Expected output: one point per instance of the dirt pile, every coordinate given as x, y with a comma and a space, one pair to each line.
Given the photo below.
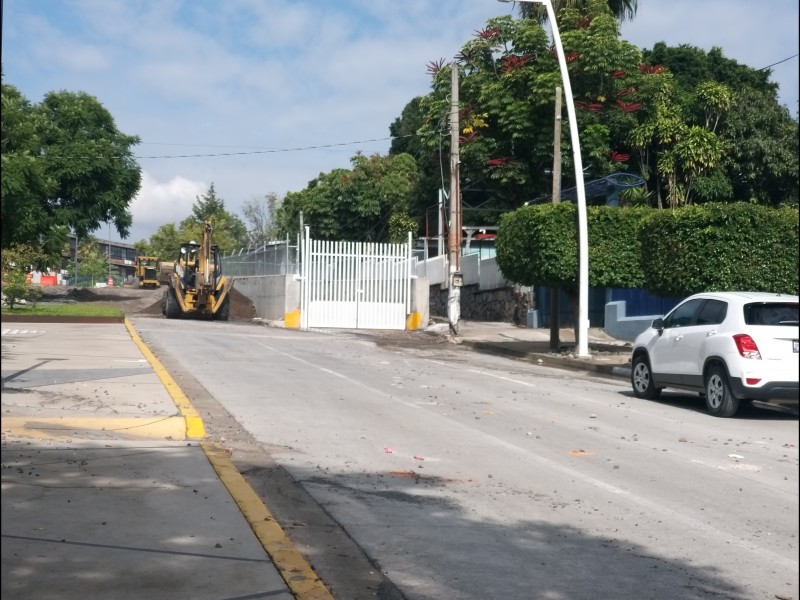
241, 306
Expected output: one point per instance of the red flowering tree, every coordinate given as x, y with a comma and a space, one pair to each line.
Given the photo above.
508, 74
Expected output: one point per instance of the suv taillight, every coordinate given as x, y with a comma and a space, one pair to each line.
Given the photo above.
746, 346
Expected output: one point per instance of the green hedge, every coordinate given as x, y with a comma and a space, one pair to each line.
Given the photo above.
679, 252
538, 245
720, 247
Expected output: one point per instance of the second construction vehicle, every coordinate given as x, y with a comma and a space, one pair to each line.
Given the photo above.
148, 271
196, 286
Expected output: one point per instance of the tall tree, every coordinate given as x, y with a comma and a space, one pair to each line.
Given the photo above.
229, 230
25, 183
369, 202
208, 206
509, 73
165, 243
66, 167
90, 161
260, 214
687, 135
621, 9
759, 136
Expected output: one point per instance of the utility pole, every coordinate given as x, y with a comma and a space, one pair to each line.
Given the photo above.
454, 229
440, 224
108, 258
555, 341
75, 282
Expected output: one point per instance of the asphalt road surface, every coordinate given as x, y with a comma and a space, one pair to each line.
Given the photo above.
466, 476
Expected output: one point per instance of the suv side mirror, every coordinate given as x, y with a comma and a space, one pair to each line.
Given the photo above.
658, 324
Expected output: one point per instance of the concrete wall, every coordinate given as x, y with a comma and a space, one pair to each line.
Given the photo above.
275, 297
621, 327
420, 304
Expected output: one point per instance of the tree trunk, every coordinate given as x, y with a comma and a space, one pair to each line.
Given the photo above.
555, 338
573, 302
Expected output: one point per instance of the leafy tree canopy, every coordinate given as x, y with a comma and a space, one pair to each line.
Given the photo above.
356, 204
621, 9
66, 167
696, 126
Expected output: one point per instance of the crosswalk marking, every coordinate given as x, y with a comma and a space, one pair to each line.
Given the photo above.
20, 331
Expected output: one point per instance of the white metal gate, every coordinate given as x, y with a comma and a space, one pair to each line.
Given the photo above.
355, 285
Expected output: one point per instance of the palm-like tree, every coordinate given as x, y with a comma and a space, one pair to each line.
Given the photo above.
622, 9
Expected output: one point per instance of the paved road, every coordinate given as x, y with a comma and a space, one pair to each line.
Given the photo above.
466, 476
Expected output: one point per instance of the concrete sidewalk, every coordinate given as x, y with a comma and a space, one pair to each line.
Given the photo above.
607, 356
108, 490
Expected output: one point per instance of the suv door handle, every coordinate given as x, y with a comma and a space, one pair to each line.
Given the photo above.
710, 333
678, 337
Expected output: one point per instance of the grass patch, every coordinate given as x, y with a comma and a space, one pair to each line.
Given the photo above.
63, 310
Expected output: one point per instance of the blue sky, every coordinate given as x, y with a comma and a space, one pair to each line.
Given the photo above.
271, 93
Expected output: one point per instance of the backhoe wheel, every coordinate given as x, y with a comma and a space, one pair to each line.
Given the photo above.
172, 309
224, 311
642, 379
720, 401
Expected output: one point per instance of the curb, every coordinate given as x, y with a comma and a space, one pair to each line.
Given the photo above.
299, 576
194, 428
54, 428
58, 319
548, 360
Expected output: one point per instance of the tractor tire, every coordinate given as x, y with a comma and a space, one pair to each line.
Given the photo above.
172, 309
223, 312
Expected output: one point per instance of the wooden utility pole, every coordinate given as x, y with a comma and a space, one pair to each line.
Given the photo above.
555, 340
454, 228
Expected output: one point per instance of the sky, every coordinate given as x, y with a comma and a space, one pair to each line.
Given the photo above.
261, 96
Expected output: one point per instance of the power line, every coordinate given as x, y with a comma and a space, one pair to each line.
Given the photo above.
272, 151
779, 62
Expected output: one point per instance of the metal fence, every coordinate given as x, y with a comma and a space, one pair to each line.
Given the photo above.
271, 258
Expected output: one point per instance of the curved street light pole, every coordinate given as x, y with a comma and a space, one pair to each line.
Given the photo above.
583, 231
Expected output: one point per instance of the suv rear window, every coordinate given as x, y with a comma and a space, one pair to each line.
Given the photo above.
771, 313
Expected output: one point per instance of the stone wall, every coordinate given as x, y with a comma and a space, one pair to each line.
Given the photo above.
503, 305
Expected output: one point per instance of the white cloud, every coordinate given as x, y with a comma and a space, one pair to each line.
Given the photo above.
159, 203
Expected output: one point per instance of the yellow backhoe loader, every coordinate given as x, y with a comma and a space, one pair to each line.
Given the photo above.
196, 286
148, 271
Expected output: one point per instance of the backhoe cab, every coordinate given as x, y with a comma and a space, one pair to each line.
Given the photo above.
196, 286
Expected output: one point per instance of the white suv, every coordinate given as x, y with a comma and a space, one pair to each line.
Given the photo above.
728, 346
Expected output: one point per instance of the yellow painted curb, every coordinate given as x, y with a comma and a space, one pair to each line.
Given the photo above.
194, 424
57, 427
291, 320
413, 321
296, 572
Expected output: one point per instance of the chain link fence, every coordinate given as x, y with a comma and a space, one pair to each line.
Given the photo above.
271, 258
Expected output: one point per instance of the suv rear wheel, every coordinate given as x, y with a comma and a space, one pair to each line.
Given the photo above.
720, 401
642, 379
